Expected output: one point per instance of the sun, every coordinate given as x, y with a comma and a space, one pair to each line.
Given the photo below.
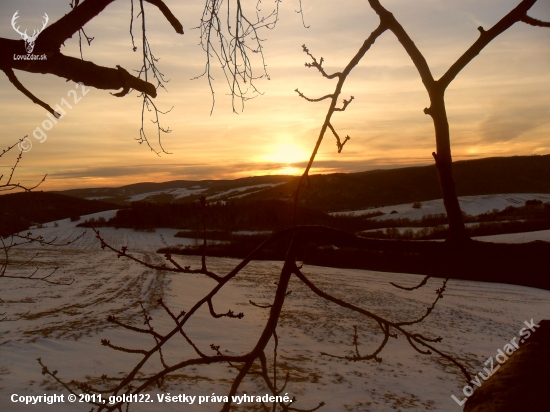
283, 158
287, 153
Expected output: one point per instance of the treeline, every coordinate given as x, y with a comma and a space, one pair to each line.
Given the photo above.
19, 211
533, 216
481, 229
43, 207
533, 209
223, 218
319, 251
489, 262
10, 224
235, 246
259, 215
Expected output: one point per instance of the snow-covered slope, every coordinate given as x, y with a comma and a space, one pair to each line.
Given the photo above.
66, 223
176, 193
472, 205
66, 231
242, 191
181, 190
543, 235
181, 193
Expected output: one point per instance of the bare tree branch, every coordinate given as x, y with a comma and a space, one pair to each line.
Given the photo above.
53, 37
63, 29
534, 22
389, 21
168, 14
15, 81
485, 37
367, 44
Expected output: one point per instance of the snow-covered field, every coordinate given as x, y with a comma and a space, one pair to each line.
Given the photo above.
63, 325
472, 205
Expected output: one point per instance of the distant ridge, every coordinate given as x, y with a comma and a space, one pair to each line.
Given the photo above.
349, 191
495, 175
173, 191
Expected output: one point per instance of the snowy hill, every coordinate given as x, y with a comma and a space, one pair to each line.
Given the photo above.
472, 205
181, 190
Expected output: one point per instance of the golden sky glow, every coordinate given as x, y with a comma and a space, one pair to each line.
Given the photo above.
285, 152
498, 106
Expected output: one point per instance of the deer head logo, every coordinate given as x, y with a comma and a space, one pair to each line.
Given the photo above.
29, 40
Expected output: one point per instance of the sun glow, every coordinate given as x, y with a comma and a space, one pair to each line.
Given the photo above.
287, 153
288, 171
285, 157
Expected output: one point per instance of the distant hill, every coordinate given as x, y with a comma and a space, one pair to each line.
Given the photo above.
20, 210
180, 191
349, 191
496, 175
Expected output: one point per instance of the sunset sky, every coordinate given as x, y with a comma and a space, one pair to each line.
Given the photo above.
498, 106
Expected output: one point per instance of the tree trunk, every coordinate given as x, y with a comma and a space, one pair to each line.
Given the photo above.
444, 164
